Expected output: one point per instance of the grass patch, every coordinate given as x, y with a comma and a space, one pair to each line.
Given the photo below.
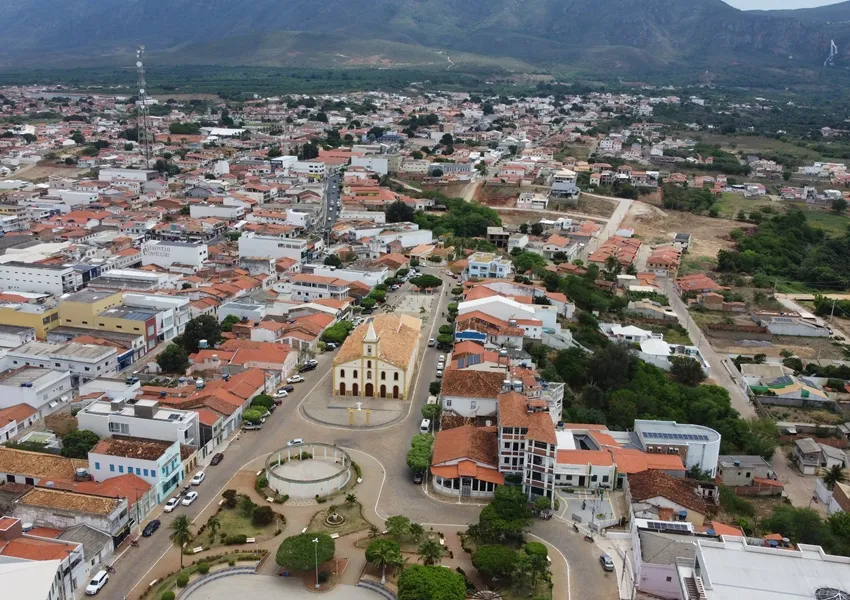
730, 203
406, 544
354, 520
232, 523
834, 224
674, 334
169, 582
696, 264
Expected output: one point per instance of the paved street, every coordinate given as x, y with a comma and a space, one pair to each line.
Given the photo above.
387, 490
719, 372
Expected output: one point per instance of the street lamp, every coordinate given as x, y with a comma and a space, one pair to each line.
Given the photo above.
316, 542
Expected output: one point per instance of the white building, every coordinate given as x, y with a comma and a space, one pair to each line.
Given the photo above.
164, 254
564, 183
371, 276
83, 361
131, 174
37, 278
310, 168
314, 287
218, 211
251, 244
697, 445
483, 265
377, 216
157, 462
172, 315
376, 164
144, 419
43, 389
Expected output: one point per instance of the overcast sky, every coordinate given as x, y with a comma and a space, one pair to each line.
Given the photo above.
776, 4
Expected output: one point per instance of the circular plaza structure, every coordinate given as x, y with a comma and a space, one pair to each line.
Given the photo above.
308, 470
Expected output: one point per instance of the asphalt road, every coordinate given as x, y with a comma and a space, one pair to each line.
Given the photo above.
388, 446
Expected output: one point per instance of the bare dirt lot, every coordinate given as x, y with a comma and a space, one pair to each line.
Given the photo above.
656, 226
40, 173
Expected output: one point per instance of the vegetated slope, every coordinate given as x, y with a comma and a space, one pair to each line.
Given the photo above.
831, 13
696, 33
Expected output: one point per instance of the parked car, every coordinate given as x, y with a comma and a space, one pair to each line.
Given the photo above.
331, 346
425, 426
313, 362
441, 365
199, 477
217, 458
439, 374
432, 342
295, 442
294, 379
150, 528
288, 389
280, 394
171, 504
606, 562
97, 582
189, 498
417, 477
252, 426
441, 358
307, 367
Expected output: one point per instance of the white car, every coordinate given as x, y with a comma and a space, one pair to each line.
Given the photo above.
171, 504
441, 365
295, 442
439, 374
441, 358
189, 498
280, 394
97, 582
198, 478
294, 379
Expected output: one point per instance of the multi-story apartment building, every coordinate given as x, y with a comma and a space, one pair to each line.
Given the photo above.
144, 419
157, 462
84, 361
488, 265
314, 287
46, 390
172, 315
251, 244
165, 254
41, 317
38, 278
104, 310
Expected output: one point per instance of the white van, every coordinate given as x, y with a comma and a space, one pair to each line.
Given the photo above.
425, 426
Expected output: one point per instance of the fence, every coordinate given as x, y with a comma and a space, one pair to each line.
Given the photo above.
387, 593
187, 591
738, 328
835, 443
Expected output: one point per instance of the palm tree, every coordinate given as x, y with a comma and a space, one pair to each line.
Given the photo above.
430, 552
181, 534
213, 525
385, 557
416, 531
834, 474
373, 532
350, 498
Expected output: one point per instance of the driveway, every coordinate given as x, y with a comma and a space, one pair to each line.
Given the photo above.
799, 488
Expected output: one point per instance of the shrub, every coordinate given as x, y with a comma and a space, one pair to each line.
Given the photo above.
231, 563
357, 469
261, 483
167, 596
281, 499
203, 568
321, 499
230, 498
324, 576
182, 580
262, 515
232, 540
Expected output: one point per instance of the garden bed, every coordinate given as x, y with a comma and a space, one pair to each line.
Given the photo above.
233, 523
169, 583
352, 514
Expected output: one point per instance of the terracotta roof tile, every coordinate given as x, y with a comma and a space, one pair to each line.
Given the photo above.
652, 484
472, 384
513, 412
39, 465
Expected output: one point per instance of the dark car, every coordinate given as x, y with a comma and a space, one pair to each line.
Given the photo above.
331, 346
150, 528
417, 477
217, 458
606, 562
307, 367
288, 388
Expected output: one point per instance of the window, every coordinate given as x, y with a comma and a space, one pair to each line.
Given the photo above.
29, 481
448, 402
368, 364
120, 468
383, 375
112, 468
604, 479
748, 475
369, 350
473, 404
138, 471
146, 472
368, 374
395, 376
355, 373
153, 472
97, 466
669, 579
10, 478
342, 372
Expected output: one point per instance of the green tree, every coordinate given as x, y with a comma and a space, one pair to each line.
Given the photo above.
536, 229
416, 531
431, 412
507, 516
77, 444
434, 388
205, 327
173, 359
493, 560
213, 525
399, 212
397, 526
252, 415
430, 552
181, 534
262, 516
274, 152
839, 205
420, 582
833, 475
383, 554
262, 401
426, 281
686, 370
299, 552
332, 260
444, 341
229, 322
368, 302
246, 506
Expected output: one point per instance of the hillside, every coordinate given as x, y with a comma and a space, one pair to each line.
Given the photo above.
831, 13
634, 36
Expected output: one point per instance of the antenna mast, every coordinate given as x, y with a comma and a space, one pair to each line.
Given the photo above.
142, 116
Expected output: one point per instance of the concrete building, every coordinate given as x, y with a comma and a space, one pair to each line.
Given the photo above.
172, 315
378, 359
165, 254
734, 471
218, 211
145, 419
790, 323
698, 446
61, 509
564, 183
376, 164
46, 390
368, 274
83, 361
314, 287
157, 462
38, 278
40, 317
111, 174
104, 310
483, 265
251, 244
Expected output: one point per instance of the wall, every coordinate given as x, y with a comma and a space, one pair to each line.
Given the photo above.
461, 405
63, 519
659, 580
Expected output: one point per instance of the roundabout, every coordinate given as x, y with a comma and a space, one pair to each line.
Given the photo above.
308, 470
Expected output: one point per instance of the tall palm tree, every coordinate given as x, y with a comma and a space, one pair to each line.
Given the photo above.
350, 498
384, 557
834, 474
181, 534
213, 525
430, 552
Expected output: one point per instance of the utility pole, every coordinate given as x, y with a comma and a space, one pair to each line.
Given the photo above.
142, 116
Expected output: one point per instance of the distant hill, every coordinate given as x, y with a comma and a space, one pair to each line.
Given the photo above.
628, 37
831, 13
